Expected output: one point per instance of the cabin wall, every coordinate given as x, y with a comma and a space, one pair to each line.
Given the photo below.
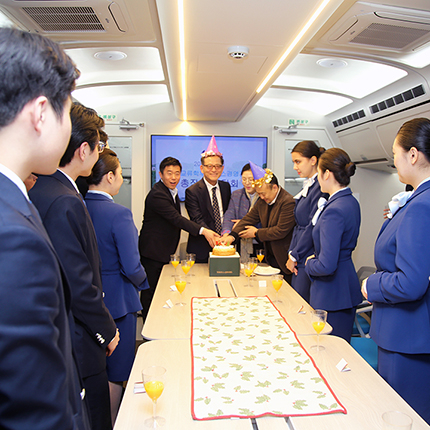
160, 119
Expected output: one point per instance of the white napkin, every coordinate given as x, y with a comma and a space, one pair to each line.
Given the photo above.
398, 201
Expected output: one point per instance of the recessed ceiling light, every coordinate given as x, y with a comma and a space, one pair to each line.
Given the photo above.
332, 63
110, 55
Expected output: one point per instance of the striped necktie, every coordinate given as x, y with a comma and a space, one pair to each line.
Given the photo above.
217, 216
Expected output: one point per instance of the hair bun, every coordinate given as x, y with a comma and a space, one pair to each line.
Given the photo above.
322, 150
350, 169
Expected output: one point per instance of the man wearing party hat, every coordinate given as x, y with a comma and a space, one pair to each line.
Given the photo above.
207, 200
275, 211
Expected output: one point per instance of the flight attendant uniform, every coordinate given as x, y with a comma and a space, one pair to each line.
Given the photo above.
400, 293
302, 245
334, 282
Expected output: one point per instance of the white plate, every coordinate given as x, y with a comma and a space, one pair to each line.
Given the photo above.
266, 271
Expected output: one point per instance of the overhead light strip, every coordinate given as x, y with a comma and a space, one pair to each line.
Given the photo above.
293, 44
182, 57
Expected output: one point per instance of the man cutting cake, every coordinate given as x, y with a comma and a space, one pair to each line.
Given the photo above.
275, 211
207, 200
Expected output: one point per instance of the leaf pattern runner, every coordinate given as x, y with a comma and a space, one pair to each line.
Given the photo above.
247, 362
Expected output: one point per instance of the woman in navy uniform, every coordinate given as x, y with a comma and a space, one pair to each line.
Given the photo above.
399, 290
305, 157
335, 286
122, 273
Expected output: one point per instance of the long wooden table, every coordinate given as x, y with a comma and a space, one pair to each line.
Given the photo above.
361, 390
365, 395
175, 322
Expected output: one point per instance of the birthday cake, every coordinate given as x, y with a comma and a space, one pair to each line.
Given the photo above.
223, 250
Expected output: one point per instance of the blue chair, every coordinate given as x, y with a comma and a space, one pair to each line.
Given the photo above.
367, 348
361, 340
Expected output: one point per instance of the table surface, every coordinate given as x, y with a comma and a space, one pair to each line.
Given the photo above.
175, 322
365, 395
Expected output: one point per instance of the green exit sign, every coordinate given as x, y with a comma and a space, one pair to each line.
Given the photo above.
298, 121
109, 117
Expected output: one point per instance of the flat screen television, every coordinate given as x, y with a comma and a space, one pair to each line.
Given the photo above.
236, 150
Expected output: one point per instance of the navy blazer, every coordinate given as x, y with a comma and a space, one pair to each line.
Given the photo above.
399, 290
335, 284
302, 244
122, 274
39, 386
199, 207
69, 226
162, 224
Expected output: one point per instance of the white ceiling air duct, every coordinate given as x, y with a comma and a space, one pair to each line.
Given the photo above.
376, 26
96, 20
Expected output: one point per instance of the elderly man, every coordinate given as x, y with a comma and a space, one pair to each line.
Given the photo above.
275, 211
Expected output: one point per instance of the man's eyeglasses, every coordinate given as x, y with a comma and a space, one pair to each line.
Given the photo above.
101, 146
247, 181
213, 166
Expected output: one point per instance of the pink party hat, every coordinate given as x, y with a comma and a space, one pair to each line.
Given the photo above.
261, 176
212, 149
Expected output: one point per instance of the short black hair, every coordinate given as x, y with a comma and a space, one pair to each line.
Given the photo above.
32, 66
170, 161
86, 125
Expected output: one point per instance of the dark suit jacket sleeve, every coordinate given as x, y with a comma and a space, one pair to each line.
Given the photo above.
162, 204
251, 218
284, 225
193, 202
69, 238
125, 235
33, 387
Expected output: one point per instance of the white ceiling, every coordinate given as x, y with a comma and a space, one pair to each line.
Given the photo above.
220, 88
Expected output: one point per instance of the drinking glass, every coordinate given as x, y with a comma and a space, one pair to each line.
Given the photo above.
260, 255
153, 380
192, 259
180, 283
319, 319
396, 420
186, 266
254, 262
248, 268
277, 281
174, 259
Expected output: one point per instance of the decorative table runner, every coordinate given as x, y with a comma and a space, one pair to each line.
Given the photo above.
247, 362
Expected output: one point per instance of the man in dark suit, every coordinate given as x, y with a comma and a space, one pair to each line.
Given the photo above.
69, 226
161, 227
207, 200
40, 388
275, 211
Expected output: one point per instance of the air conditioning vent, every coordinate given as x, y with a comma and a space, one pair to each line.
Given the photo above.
65, 19
389, 36
378, 26
398, 99
349, 118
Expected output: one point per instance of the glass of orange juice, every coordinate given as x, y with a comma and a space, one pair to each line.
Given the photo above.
260, 255
192, 259
319, 319
277, 284
153, 381
180, 283
186, 267
249, 268
175, 260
